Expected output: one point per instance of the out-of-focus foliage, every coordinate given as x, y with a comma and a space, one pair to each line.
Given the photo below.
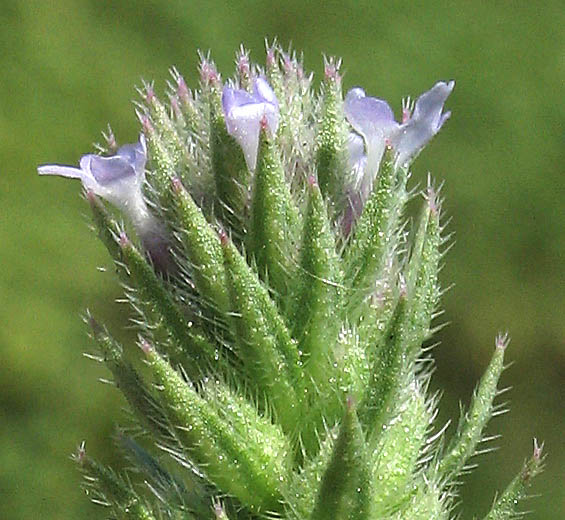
68, 68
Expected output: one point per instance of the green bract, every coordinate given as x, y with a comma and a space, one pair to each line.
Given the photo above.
282, 308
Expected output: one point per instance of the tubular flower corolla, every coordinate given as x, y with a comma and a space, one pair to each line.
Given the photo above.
244, 113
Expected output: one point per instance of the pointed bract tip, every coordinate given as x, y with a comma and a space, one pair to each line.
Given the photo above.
407, 108
182, 90
91, 197
331, 69
219, 511
177, 185
350, 403
242, 63
124, 240
224, 239
110, 139
149, 94
264, 123
271, 58
312, 182
175, 106
97, 329
208, 72
502, 340
80, 455
288, 63
145, 346
147, 125
538, 450
432, 197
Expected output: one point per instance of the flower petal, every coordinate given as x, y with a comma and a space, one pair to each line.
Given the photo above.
426, 121
62, 171
374, 120
368, 115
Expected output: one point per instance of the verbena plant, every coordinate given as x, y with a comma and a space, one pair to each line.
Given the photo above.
284, 305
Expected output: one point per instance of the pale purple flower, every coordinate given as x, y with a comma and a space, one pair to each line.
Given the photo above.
374, 127
119, 179
373, 119
245, 113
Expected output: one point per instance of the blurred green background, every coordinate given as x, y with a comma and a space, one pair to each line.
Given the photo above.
69, 67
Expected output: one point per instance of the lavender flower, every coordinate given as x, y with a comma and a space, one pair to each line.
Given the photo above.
373, 119
244, 112
119, 179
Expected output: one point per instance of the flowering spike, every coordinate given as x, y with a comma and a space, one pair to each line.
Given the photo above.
279, 287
